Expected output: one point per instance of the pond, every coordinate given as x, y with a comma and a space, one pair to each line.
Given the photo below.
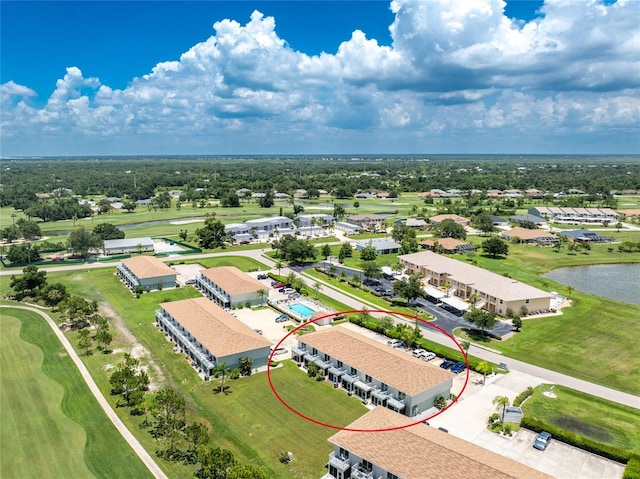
616, 281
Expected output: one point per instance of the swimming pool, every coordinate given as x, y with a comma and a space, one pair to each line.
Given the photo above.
302, 309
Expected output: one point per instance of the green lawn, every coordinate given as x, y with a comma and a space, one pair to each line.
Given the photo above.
589, 416
51, 424
594, 339
250, 420
243, 263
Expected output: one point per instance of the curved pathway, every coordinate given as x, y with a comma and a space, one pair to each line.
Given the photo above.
93, 387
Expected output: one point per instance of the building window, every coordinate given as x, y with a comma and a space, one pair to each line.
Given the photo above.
367, 465
344, 453
353, 371
526, 301
327, 357
314, 351
401, 395
392, 476
384, 387
367, 379
339, 364
500, 301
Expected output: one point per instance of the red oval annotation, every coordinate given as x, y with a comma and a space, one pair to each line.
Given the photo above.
383, 311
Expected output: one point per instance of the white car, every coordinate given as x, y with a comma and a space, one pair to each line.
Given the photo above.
395, 343
418, 352
427, 356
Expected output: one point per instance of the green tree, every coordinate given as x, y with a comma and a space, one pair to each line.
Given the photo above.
29, 230
356, 204
129, 380
346, 251
221, 371
495, 247
78, 311
107, 231
29, 283
317, 287
81, 242
501, 403
230, 201
385, 323
84, 341
484, 368
483, 223
339, 212
267, 200
215, 463
196, 436
246, 471
409, 243
408, 288
23, 253
449, 229
368, 253
53, 294
246, 366
326, 251
371, 270
212, 234
11, 233
104, 338
129, 206
482, 319
294, 250
168, 409
517, 323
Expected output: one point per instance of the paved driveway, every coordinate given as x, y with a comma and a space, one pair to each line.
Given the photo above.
467, 419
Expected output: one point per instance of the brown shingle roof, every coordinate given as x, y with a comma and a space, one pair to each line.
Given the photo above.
232, 280
395, 368
147, 267
527, 234
421, 451
447, 243
217, 330
461, 220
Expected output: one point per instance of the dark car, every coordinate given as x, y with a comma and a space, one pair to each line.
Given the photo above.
263, 276
458, 367
371, 282
282, 318
542, 441
447, 364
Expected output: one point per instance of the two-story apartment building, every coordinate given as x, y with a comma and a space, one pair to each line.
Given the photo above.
314, 219
494, 292
569, 215
374, 372
147, 272
415, 452
227, 286
210, 336
370, 222
272, 225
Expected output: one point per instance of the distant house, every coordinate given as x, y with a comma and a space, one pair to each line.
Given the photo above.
145, 202
449, 245
175, 192
498, 221
311, 231
347, 228
415, 452
373, 371
210, 336
127, 245
493, 193
147, 272
629, 214
461, 220
280, 196
585, 236
526, 235
271, 225
371, 222
310, 219
415, 223
381, 245
227, 286
528, 218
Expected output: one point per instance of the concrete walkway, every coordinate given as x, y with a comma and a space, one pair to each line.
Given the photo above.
93, 387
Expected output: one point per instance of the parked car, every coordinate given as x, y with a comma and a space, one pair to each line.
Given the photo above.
542, 441
448, 364
395, 343
371, 282
458, 367
282, 318
418, 352
280, 350
278, 285
190, 281
427, 356
263, 276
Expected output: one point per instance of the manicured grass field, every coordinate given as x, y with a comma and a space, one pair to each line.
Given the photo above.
243, 263
589, 416
594, 339
51, 424
249, 420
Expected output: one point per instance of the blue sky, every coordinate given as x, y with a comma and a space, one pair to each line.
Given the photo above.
246, 77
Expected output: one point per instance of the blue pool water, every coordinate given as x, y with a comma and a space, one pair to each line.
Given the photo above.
301, 309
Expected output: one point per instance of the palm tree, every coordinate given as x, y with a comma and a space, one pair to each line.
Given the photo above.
262, 293
221, 370
317, 286
569, 291
502, 403
485, 368
279, 266
473, 298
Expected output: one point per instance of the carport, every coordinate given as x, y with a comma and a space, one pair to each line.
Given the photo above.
456, 304
433, 292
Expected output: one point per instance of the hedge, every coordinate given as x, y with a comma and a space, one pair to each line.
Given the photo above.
589, 445
523, 396
632, 471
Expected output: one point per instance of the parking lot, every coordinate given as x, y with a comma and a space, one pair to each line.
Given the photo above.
186, 272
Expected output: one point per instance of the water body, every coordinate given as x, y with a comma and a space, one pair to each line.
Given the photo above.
615, 281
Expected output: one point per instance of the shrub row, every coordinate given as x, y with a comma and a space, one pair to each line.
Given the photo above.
523, 396
589, 445
632, 471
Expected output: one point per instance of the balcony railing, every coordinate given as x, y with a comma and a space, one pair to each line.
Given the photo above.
361, 472
339, 462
